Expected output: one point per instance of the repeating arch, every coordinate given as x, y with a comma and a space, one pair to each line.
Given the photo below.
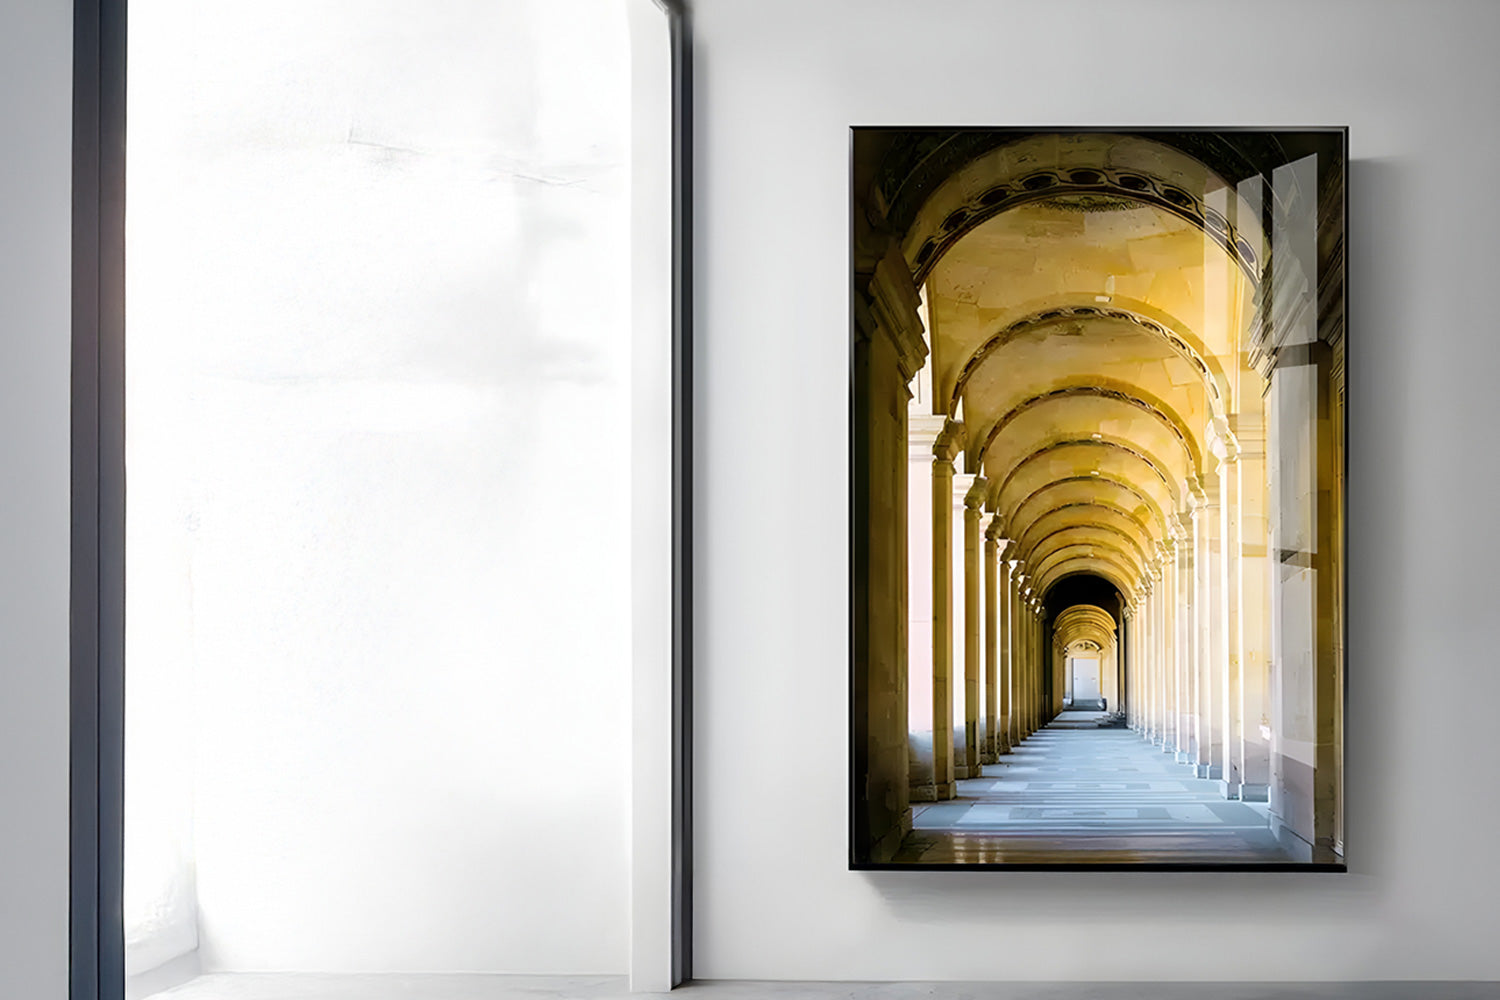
1070, 553
1093, 507
1103, 388
1014, 515
1111, 443
1082, 623
1208, 367
1139, 554
1128, 169
1106, 571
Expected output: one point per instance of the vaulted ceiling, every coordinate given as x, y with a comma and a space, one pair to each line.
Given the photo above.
1087, 297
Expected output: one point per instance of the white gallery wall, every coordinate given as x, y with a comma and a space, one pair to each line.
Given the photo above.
36, 67
778, 84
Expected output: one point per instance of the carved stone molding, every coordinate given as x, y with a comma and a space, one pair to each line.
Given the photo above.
893, 302
1065, 314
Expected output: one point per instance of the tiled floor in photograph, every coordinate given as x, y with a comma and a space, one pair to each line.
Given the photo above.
1076, 795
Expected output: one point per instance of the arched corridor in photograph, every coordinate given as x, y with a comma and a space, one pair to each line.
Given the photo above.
1098, 425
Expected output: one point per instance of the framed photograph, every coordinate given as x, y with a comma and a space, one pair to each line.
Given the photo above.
1097, 498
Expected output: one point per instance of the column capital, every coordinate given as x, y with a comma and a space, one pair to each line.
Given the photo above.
961, 484
1249, 434
922, 429
893, 303
1210, 498
1196, 495
949, 441
1221, 440
974, 498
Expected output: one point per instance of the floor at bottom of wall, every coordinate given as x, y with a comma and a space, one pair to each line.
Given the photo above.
289, 986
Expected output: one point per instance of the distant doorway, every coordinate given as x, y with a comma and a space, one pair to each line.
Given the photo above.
1087, 693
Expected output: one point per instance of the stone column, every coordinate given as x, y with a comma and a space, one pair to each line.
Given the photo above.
1018, 654
1139, 688
1127, 643
1215, 649
923, 431
1197, 651
1060, 671
994, 546
1142, 620
1010, 689
1158, 601
1033, 665
1169, 646
1181, 642
1043, 663
1229, 530
973, 553
1158, 649
1023, 663
961, 760
1255, 623
1187, 726
1146, 610
1059, 675
1109, 668
1145, 658
1023, 604
943, 451
888, 351
1164, 644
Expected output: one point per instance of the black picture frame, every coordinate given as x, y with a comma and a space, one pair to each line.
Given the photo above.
859, 474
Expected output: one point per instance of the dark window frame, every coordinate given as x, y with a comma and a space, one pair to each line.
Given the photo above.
97, 583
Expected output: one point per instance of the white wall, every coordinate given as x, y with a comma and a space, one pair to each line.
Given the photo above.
36, 40
779, 83
379, 461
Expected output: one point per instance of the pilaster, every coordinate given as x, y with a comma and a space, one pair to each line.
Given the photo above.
973, 503
947, 445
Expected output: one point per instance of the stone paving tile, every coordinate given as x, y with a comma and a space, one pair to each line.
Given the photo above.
1071, 795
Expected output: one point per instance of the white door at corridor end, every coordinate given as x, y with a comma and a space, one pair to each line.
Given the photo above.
1085, 679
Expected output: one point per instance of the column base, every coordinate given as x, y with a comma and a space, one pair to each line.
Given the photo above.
933, 793
1187, 757
1300, 850
989, 758
1211, 771
886, 847
1255, 793
1229, 789
968, 771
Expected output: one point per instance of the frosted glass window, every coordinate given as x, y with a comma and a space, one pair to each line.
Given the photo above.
378, 457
